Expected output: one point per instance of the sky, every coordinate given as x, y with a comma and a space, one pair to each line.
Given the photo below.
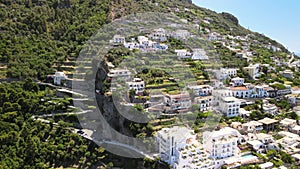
277, 19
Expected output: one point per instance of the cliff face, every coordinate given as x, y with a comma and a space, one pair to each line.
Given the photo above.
230, 17
106, 104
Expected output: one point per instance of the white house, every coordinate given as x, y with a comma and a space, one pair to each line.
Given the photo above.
219, 94
230, 106
182, 53
225, 73
170, 140
287, 123
241, 92
137, 84
222, 144
199, 54
252, 126
204, 103
59, 77
159, 34
201, 90
180, 34
124, 73
118, 39
270, 108
237, 81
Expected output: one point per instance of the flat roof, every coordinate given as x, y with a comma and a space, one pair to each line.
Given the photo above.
267, 121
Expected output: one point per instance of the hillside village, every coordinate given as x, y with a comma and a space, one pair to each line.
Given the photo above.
258, 102
260, 117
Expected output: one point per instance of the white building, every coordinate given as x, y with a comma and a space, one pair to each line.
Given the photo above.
180, 34
143, 40
225, 73
230, 106
241, 92
270, 108
59, 77
179, 102
201, 90
222, 144
170, 140
237, 81
252, 126
125, 73
118, 39
287, 123
199, 54
182, 53
137, 84
159, 34
194, 156
219, 94
204, 103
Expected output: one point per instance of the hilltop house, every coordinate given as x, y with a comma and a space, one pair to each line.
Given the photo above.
252, 126
180, 34
287, 124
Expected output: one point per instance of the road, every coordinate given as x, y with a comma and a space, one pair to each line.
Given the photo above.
89, 137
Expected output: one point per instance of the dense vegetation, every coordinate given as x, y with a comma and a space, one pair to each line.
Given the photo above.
26, 142
35, 34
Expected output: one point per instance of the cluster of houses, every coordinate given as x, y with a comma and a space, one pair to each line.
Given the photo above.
181, 148
152, 41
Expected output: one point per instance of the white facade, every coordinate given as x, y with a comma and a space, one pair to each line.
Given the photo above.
118, 39
241, 92
170, 140
201, 90
181, 53
223, 143
159, 34
252, 126
219, 94
59, 77
237, 81
137, 84
119, 73
199, 54
204, 103
225, 73
181, 34
270, 108
230, 106
178, 102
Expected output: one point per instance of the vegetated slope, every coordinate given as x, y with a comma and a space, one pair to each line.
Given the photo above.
36, 34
